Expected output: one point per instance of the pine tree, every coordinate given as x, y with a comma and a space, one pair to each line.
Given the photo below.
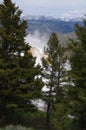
19, 77
54, 73
77, 92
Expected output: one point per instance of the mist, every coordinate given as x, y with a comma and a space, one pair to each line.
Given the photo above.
37, 40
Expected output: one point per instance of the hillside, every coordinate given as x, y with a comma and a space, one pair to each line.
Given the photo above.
47, 25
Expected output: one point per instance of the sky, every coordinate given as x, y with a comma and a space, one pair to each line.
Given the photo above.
53, 8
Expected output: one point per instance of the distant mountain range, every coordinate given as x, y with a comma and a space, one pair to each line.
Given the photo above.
40, 27
75, 15
48, 24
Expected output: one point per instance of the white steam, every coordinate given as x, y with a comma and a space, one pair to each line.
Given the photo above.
37, 42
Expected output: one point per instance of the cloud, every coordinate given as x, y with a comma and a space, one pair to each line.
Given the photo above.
49, 7
50, 3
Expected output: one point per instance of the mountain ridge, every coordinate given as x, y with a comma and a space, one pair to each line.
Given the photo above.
47, 26
75, 15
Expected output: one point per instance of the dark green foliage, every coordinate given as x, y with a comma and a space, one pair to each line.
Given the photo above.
19, 77
60, 118
30, 120
54, 74
77, 92
34, 119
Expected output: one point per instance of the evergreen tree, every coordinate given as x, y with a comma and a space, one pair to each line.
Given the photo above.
19, 77
54, 73
77, 92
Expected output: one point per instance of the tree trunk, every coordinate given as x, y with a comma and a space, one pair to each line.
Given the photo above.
48, 114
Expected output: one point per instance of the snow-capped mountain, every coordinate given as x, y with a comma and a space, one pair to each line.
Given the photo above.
38, 17
76, 15
40, 27
60, 25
